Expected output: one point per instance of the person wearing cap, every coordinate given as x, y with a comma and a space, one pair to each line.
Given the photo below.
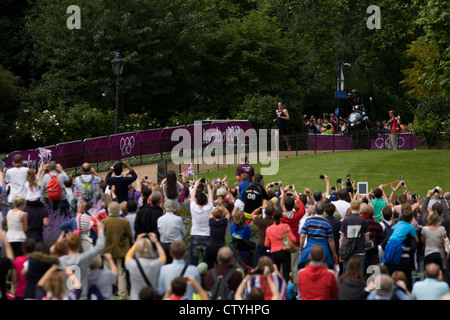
222, 199
393, 125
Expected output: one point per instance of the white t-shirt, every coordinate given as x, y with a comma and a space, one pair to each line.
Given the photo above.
200, 219
32, 194
16, 178
341, 206
239, 204
179, 189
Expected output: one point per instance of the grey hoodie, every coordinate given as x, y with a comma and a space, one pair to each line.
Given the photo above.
82, 261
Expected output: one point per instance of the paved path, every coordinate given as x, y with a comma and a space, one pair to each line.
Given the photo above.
149, 169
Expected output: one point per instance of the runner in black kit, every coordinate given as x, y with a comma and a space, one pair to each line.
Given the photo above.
282, 117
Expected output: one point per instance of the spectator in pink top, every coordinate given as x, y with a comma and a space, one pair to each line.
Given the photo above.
19, 281
274, 241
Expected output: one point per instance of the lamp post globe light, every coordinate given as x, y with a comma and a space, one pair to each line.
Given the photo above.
117, 65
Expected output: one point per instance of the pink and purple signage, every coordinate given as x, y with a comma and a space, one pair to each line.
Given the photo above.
121, 146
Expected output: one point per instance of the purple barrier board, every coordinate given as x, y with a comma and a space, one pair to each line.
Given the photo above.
110, 148
406, 141
328, 142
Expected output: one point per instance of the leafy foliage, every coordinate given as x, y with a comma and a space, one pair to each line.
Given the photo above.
431, 121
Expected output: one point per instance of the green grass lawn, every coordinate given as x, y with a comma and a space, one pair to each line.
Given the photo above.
421, 169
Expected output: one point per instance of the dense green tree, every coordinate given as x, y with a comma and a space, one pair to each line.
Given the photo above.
196, 59
9, 99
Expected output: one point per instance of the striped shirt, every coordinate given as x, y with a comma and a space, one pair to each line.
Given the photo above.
317, 227
376, 230
84, 224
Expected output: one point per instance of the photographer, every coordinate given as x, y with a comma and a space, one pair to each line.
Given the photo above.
257, 293
120, 181
312, 128
393, 125
201, 206
342, 203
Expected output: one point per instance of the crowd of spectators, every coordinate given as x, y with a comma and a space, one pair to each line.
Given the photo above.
124, 237
329, 123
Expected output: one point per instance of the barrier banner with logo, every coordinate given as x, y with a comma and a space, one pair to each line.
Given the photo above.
126, 145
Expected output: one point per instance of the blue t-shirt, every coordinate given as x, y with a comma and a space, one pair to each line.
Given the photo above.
401, 231
243, 185
291, 292
241, 232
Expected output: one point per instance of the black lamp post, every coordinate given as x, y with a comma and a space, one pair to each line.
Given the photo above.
117, 65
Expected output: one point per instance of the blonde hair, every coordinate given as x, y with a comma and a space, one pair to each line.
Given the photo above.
274, 201
56, 285
218, 212
239, 218
355, 205
144, 248
124, 208
106, 199
433, 218
157, 188
19, 201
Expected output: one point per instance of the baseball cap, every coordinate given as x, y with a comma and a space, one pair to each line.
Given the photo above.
392, 111
221, 192
333, 197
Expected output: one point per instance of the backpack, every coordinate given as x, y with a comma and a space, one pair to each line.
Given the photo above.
348, 247
87, 189
385, 230
54, 190
220, 289
94, 292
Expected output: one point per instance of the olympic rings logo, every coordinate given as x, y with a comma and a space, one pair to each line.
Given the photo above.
127, 145
380, 143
